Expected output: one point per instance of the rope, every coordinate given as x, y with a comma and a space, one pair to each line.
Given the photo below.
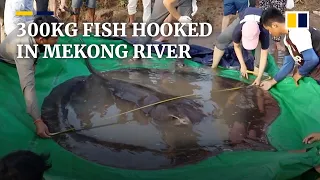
149, 105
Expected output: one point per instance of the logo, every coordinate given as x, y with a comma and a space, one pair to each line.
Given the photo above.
37, 13
297, 19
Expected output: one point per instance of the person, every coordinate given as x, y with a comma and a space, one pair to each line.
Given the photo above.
170, 19
231, 7
2, 34
253, 36
132, 10
76, 5
10, 19
24, 165
281, 6
225, 39
180, 10
25, 66
302, 45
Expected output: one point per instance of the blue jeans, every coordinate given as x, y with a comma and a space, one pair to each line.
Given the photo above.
234, 6
311, 60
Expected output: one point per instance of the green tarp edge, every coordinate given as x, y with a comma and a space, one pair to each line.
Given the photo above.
298, 118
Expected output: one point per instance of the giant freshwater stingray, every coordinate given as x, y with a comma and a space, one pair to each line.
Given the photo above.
166, 135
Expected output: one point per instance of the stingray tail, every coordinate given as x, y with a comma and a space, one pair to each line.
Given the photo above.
89, 65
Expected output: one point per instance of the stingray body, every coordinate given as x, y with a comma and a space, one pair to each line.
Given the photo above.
166, 135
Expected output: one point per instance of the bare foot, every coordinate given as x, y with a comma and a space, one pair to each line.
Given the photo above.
296, 76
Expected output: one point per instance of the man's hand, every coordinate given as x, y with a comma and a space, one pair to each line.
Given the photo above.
243, 71
266, 85
185, 19
194, 7
42, 129
312, 138
257, 82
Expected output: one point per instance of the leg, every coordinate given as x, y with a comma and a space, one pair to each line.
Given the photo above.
52, 6
257, 56
146, 10
311, 61
229, 8
185, 9
158, 15
2, 34
76, 5
169, 19
132, 10
91, 4
42, 5
223, 41
62, 8
287, 67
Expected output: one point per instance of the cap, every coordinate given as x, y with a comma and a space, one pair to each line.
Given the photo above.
250, 35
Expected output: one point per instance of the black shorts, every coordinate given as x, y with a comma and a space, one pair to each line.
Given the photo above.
42, 5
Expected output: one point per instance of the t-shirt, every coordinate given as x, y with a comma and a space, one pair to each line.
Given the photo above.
25, 67
300, 40
251, 13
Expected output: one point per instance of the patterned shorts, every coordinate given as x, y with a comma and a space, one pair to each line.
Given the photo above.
278, 4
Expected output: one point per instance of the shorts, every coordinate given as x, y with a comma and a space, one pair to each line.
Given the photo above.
234, 6
42, 5
89, 3
278, 4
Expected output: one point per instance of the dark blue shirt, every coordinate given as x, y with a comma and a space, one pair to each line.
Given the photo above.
264, 34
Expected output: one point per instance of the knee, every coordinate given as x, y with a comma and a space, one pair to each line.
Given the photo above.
223, 41
311, 57
315, 60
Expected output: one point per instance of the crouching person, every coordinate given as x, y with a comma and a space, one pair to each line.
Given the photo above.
302, 45
26, 66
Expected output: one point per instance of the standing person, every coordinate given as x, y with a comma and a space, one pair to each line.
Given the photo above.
26, 66
225, 39
281, 6
302, 44
2, 34
180, 10
231, 7
10, 19
76, 5
170, 19
132, 10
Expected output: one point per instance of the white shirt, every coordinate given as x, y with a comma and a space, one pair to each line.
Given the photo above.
10, 18
301, 38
